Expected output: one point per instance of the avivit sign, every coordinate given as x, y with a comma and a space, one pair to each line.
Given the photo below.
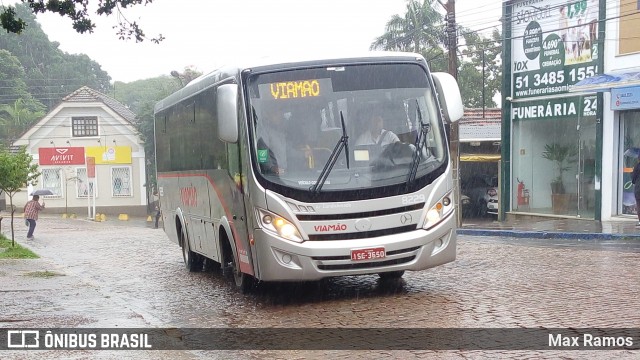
61, 156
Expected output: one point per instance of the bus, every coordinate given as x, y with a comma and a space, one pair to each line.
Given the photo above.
262, 171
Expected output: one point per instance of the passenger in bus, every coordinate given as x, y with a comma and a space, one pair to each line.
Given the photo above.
285, 139
272, 141
376, 134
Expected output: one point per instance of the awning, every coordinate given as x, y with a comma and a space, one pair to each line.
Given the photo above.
607, 81
480, 157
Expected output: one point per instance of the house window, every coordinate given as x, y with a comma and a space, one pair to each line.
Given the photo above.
121, 181
83, 126
83, 186
52, 180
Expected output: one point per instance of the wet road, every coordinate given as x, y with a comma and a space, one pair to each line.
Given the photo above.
125, 274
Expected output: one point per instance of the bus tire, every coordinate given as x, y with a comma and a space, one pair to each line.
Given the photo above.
391, 275
192, 261
243, 282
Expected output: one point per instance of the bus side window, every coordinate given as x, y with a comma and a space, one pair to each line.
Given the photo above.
212, 150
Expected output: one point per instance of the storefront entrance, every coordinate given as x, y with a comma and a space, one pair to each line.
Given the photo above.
629, 145
553, 156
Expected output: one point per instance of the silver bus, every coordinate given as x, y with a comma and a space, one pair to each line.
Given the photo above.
308, 169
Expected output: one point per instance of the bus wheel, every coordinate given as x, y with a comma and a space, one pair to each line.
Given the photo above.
192, 261
244, 282
391, 275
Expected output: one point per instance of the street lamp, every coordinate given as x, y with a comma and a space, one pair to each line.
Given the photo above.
178, 76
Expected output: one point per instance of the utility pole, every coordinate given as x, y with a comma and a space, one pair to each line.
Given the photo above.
454, 137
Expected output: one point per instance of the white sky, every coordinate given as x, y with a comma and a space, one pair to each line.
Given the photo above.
205, 34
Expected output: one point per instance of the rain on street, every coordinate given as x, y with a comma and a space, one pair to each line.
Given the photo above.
126, 274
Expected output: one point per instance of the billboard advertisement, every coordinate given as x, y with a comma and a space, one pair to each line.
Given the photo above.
553, 45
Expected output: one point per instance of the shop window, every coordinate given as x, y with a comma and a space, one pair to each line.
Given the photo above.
553, 161
630, 133
85, 188
52, 180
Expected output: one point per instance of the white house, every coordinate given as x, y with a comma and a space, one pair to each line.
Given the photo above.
88, 145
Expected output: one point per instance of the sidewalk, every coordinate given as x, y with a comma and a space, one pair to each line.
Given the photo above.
545, 228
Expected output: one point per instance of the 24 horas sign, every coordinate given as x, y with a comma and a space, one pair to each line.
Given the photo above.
553, 45
561, 108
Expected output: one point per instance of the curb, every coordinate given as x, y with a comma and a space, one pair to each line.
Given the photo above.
546, 234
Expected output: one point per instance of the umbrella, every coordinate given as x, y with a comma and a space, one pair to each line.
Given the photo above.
42, 192
632, 152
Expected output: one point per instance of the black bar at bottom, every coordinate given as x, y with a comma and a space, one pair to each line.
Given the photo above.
321, 339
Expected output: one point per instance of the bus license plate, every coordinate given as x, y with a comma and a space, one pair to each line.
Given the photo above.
368, 254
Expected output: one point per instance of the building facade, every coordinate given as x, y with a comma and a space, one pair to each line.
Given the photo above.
552, 137
90, 157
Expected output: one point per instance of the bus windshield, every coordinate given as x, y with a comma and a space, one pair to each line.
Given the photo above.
296, 121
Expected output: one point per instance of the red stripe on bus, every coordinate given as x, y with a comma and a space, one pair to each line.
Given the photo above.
244, 267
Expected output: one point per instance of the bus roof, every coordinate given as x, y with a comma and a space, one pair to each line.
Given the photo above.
272, 63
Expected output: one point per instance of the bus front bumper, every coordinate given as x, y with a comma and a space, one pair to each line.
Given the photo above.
277, 259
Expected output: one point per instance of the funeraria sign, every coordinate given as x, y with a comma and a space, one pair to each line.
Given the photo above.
61, 156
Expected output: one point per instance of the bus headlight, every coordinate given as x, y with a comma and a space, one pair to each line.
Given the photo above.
439, 211
278, 225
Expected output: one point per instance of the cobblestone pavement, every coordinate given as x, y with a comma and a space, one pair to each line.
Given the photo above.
127, 275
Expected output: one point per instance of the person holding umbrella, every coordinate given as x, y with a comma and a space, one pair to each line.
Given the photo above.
31, 210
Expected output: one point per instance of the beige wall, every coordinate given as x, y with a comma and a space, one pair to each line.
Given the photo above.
629, 42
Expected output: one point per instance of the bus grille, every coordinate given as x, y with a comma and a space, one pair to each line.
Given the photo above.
363, 234
366, 214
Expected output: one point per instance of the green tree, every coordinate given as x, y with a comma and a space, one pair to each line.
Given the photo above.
12, 85
422, 30
49, 73
17, 170
140, 96
78, 12
17, 118
480, 72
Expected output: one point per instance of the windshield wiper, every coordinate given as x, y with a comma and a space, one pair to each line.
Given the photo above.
419, 144
343, 143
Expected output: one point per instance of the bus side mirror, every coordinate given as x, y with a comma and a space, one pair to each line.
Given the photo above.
227, 109
449, 96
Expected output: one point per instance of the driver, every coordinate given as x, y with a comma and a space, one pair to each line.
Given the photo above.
376, 134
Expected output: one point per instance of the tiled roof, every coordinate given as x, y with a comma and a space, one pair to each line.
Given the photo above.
481, 124
489, 115
86, 94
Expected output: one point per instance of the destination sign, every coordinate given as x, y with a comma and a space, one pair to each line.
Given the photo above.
295, 89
